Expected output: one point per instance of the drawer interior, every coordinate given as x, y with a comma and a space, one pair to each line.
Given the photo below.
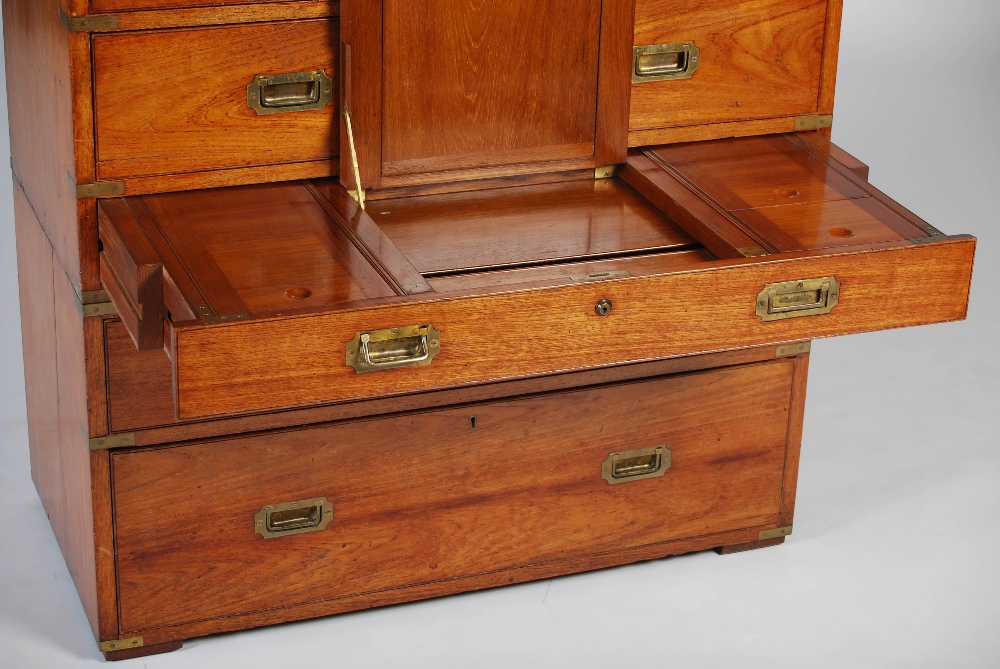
681, 242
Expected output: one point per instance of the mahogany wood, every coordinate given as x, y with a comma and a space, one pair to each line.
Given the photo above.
760, 59
615, 80
143, 651
751, 546
131, 5
495, 337
213, 13
97, 399
526, 225
40, 110
175, 101
837, 153
426, 511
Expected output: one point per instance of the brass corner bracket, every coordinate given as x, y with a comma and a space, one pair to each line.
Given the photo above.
776, 533
112, 441
813, 122
88, 24
122, 644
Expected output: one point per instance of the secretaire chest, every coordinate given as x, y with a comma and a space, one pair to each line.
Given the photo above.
386, 301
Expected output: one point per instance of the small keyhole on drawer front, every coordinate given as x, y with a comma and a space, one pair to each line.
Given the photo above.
472, 422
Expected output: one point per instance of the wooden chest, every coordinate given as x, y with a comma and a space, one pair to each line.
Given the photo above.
361, 303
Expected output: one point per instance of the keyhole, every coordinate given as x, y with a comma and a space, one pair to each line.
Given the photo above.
603, 308
472, 422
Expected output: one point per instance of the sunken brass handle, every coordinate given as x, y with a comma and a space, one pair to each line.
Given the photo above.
663, 62
293, 92
795, 299
377, 350
289, 518
630, 466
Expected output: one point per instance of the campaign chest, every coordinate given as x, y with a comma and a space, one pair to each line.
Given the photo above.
329, 306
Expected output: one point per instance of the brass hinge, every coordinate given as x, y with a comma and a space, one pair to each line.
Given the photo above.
933, 235
606, 172
100, 189
774, 534
752, 252
208, 316
112, 441
359, 193
88, 24
99, 309
122, 644
94, 296
815, 122
793, 350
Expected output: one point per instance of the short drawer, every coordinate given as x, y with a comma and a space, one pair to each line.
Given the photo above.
219, 98
445, 495
721, 62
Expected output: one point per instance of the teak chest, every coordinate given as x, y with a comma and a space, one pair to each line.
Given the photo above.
428, 296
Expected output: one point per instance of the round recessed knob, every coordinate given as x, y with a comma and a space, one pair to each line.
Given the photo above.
603, 307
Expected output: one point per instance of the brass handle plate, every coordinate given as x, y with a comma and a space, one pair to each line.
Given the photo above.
292, 92
289, 518
665, 62
628, 466
796, 299
377, 350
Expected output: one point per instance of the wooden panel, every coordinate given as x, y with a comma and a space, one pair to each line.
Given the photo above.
210, 12
516, 226
40, 109
466, 501
759, 59
176, 101
130, 5
792, 192
290, 362
260, 249
55, 385
461, 80
141, 395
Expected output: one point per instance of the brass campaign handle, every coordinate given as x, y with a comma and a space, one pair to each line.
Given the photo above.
664, 62
394, 348
290, 518
292, 92
796, 299
628, 466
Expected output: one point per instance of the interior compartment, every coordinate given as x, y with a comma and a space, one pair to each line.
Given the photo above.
263, 288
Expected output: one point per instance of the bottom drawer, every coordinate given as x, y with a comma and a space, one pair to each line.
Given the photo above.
446, 495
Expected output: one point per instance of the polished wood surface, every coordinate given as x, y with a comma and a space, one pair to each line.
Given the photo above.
759, 59
282, 362
437, 509
525, 225
789, 191
487, 68
210, 12
175, 101
141, 396
40, 110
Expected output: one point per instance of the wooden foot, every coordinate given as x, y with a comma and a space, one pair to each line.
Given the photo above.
143, 651
753, 545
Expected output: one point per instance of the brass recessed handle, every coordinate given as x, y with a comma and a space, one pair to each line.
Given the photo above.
663, 62
627, 466
796, 299
292, 92
290, 518
377, 350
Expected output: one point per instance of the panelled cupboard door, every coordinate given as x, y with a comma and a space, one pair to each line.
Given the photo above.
290, 295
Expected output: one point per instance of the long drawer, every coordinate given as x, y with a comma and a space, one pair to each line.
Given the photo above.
216, 99
211, 530
290, 295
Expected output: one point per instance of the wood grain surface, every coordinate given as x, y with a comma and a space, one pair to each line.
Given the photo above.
209, 12
175, 101
469, 85
524, 487
223, 5
40, 110
525, 225
759, 59
285, 362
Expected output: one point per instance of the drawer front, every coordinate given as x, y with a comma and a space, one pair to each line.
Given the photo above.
125, 5
177, 101
434, 496
757, 60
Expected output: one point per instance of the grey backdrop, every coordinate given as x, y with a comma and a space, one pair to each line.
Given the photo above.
893, 560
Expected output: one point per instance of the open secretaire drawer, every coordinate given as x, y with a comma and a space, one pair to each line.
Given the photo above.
275, 296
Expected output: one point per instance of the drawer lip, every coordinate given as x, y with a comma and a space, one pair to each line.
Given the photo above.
927, 283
